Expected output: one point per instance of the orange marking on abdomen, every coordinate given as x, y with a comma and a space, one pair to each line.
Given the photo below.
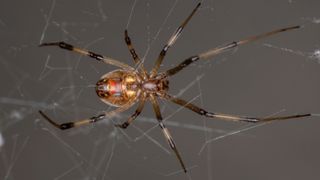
114, 87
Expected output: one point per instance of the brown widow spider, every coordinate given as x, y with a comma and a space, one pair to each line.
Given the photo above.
124, 87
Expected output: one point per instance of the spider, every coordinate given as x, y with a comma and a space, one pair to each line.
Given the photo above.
124, 87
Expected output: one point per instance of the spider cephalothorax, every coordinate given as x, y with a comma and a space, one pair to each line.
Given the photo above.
155, 86
124, 87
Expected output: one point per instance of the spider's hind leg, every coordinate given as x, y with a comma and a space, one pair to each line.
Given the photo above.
88, 53
69, 125
133, 116
93, 119
70, 47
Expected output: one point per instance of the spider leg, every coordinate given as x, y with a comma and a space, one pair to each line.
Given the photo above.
205, 113
134, 54
93, 119
165, 131
85, 52
171, 41
130, 47
218, 50
133, 116
69, 125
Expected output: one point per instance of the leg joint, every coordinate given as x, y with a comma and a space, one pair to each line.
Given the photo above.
94, 55
67, 125
97, 118
203, 112
128, 41
65, 46
123, 125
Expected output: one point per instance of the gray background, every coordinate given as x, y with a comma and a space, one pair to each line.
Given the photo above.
255, 79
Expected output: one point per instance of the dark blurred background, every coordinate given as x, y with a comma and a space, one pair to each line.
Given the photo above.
278, 75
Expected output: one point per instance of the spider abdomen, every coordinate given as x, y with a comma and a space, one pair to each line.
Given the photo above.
118, 87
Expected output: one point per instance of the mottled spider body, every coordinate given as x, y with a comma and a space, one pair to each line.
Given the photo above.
126, 86
118, 87
155, 86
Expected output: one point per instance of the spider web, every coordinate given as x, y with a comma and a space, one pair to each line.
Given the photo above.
274, 76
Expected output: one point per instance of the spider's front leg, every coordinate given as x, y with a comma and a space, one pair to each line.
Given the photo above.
221, 49
171, 41
229, 117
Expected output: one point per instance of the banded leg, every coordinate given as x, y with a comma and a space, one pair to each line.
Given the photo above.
133, 116
222, 49
205, 113
165, 131
93, 119
69, 125
134, 54
85, 52
171, 41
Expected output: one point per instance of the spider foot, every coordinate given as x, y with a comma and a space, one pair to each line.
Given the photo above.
61, 44
60, 126
50, 44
